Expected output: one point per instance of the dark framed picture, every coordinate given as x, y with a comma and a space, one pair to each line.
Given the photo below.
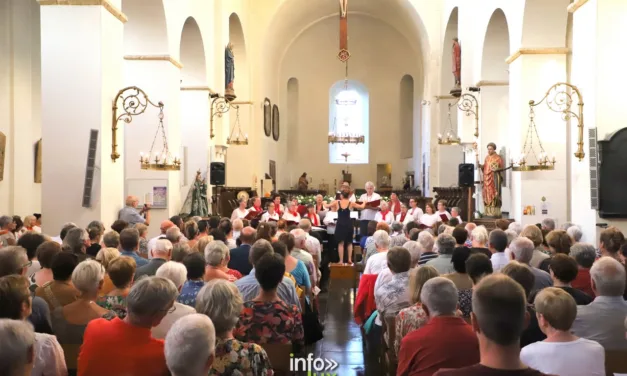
275, 122
267, 117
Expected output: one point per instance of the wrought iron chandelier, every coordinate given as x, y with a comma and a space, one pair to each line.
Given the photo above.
449, 138
240, 138
155, 160
542, 161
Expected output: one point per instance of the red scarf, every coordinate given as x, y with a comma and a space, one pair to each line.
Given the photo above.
294, 213
314, 219
397, 207
257, 208
403, 215
384, 214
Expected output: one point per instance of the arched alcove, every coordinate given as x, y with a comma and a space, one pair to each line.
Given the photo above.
194, 71
447, 78
292, 115
349, 114
544, 23
236, 37
146, 32
495, 96
406, 108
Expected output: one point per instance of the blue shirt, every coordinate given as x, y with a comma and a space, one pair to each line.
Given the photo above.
301, 275
130, 215
140, 261
189, 292
249, 288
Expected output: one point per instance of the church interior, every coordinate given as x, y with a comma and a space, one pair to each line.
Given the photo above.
499, 109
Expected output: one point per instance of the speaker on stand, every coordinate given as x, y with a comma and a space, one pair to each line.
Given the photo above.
217, 175
466, 175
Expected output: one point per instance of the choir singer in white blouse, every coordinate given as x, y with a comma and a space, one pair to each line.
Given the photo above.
271, 215
291, 214
414, 210
429, 218
240, 212
367, 214
385, 215
404, 217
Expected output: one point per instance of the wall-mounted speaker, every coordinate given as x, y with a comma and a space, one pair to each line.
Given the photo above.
466, 175
89, 171
217, 173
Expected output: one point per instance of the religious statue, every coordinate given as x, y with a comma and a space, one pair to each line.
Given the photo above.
491, 171
229, 72
303, 183
457, 66
196, 203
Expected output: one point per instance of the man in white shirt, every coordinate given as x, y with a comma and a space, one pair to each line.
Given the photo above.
496, 244
377, 262
347, 188
165, 225
368, 214
414, 210
385, 215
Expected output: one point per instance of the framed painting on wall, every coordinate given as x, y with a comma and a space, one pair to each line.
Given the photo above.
267, 117
275, 122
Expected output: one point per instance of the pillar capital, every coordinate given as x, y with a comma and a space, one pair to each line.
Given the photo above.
111, 8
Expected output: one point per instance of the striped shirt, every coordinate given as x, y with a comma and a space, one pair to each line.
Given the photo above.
426, 257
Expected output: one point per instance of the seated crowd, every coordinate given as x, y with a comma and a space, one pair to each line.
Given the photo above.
209, 297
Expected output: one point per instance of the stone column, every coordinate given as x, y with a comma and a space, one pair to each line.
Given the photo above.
531, 75
194, 134
81, 73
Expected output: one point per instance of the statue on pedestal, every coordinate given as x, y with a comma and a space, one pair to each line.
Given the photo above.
196, 203
303, 183
229, 72
491, 170
457, 68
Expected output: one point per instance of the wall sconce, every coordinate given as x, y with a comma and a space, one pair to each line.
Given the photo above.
469, 104
220, 106
135, 102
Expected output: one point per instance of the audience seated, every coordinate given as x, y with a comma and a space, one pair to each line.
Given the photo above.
562, 353
190, 346
559, 242
45, 255
391, 296
378, 261
126, 347
129, 244
522, 274
497, 242
446, 341
160, 254
443, 263
575, 232
30, 241
534, 234
522, 250
415, 250
267, 318
459, 277
365, 241
477, 266
611, 241
301, 252
176, 273
15, 304
121, 271
17, 341
76, 241
516, 227
104, 257
60, 291
584, 254
240, 256
461, 235
563, 270
293, 266
371, 248
249, 286
181, 250
221, 302
196, 269
111, 240
217, 257
479, 238
603, 319
498, 318
427, 242
397, 238
414, 316
95, 235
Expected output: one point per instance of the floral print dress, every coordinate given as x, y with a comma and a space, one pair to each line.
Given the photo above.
408, 320
270, 322
116, 304
233, 357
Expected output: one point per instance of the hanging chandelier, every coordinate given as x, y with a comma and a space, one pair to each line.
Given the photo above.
542, 161
155, 160
240, 138
449, 137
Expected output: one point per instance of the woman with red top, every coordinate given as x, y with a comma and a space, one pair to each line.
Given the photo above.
385, 215
395, 204
584, 254
313, 217
280, 209
404, 217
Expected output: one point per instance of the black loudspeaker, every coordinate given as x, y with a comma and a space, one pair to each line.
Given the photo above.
216, 176
466, 177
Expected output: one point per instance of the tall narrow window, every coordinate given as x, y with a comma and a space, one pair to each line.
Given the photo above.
407, 117
349, 115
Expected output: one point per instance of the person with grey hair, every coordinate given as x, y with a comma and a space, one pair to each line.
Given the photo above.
602, 320
249, 287
566, 225
111, 239
415, 250
238, 225
511, 235
548, 224
17, 341
575, 232
515, 226
367, 214
130, 214
76, 241
222, 303
109, 346
217, 257
240, 260
521, 249
585, 254
8, 238
175, 272
479, 239
173, 234
179, 251
391, 296
161, 253
301, 252
443, 263
377, 262
447, 341
190, 346
64, 229
129, 245
397, 238
427, 242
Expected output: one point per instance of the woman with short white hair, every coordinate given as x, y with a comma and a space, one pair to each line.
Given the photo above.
217, 257
177, 273
222, 303
190, 346
104, 257
17, 341
69, 322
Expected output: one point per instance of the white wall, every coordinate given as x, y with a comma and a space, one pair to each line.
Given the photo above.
380, 57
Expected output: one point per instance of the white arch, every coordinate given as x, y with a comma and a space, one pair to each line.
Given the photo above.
236, 37
194, 71
447, 80
544, 23
146, 32
495, 48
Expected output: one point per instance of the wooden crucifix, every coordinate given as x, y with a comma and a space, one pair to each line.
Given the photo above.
343, 55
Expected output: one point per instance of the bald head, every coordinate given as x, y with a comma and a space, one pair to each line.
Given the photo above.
470, 226
247, 235
132, 201
165, 225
